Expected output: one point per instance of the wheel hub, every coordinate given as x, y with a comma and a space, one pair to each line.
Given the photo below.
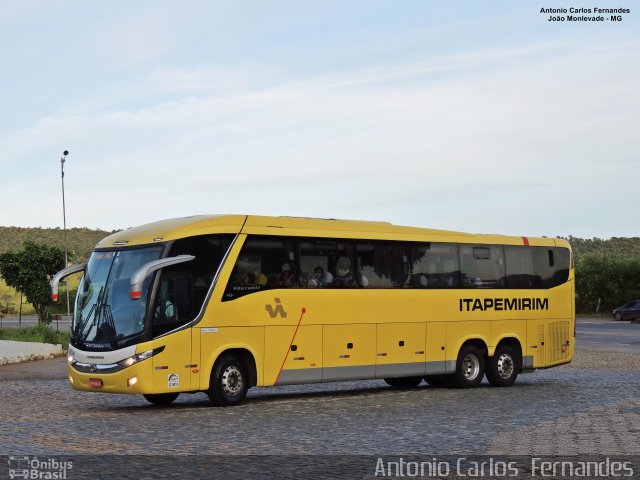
505, 365
470, 367
231, 380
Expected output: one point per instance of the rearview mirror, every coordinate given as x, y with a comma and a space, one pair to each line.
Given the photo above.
55, 281
137, 279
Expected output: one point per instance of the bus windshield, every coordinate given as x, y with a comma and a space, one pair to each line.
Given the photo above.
104, 311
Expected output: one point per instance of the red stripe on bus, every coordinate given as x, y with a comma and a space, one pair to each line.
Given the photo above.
525, 240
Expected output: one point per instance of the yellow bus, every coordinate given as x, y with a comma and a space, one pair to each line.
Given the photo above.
218, 304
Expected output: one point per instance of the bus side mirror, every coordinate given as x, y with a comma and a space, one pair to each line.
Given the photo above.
55, 281
137, 279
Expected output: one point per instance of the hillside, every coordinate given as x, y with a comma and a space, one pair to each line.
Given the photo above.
81, 241
616, 247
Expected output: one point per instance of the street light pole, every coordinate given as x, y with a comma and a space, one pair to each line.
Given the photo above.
64, 220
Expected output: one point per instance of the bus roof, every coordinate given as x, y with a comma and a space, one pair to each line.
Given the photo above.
171, 229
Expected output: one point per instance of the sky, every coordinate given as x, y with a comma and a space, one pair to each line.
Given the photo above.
472, 116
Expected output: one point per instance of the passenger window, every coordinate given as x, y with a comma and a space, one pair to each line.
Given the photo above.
326, 263
434, 265
264, 263
183, 288
482, 266
382, 264
552, 265
520, 268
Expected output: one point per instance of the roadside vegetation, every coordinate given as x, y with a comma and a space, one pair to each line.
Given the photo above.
81, 241
604, 282
40, 333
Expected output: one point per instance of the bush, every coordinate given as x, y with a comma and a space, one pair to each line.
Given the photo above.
614, 281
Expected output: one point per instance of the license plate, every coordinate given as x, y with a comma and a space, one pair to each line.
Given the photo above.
95, 382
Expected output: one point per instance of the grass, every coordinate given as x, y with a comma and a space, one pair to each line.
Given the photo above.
38, 333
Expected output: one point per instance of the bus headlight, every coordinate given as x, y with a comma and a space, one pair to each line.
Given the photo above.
127, 362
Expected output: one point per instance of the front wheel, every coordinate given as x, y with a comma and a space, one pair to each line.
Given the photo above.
161, 398
229, 382
618, 316
403, 382
504, 366
469, 367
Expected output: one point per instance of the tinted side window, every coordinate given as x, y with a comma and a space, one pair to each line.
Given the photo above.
552, 265
263, 263
482, 266
520, 267
183, 288
326, 263
382, 264
434, 265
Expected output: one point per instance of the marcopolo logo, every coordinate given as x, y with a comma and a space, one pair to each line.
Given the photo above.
35, 468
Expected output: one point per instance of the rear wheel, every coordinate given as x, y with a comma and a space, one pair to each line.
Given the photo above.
161, 398
229, 381
404, 382
504, 366
469, 367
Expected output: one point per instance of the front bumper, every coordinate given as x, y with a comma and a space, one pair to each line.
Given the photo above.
117, 382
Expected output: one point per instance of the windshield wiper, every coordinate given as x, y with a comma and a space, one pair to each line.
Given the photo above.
80, 330
111, 326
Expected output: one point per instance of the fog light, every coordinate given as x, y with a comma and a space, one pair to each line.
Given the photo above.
132, 381
70, 379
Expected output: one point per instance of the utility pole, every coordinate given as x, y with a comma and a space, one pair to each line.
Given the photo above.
64, 220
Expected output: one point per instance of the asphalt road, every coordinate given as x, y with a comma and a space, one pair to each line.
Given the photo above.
560, 411
608, 336
30, 320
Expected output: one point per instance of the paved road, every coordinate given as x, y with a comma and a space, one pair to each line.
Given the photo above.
560, 411
30, 320
608, 336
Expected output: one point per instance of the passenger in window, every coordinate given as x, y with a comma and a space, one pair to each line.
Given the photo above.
286, 279
320, 278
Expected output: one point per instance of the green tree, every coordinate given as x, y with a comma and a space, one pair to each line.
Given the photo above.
29, 270
606, 281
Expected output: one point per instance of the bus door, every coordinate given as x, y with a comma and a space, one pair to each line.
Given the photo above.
172, 367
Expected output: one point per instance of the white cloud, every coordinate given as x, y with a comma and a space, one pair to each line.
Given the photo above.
512, 140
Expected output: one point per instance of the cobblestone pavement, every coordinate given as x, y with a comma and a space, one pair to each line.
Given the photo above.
558, 411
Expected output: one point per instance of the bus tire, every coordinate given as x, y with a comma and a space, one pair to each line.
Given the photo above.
229, 381
403, 382
469, 367
504, 366
161, 398
439, 380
